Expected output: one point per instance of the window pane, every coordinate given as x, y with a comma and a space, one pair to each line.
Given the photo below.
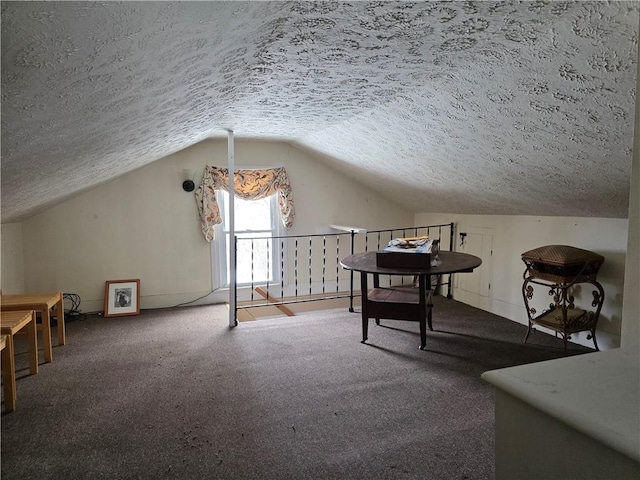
253, 214
250, 214
254, 259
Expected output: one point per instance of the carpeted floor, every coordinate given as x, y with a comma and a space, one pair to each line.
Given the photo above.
177, 394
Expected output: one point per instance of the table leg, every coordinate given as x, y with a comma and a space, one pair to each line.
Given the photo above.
32, 339
365, 308
46, 335
422, 311
62, 337
376, 284
9, 375
430, 305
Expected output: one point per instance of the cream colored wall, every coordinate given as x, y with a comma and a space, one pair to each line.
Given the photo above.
143, 225
514, 235
322, 196
12, 259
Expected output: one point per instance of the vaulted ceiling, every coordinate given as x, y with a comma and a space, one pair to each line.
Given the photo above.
460, 107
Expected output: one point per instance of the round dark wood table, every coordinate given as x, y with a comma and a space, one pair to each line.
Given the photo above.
403, 303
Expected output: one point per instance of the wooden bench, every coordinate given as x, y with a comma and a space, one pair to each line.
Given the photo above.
22, 321
8, 374
42, 303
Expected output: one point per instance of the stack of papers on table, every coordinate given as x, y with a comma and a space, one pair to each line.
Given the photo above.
409, 245
412, 252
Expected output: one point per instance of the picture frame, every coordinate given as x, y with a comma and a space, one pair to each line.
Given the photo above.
122, 297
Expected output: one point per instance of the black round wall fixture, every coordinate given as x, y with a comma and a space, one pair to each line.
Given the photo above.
188, 185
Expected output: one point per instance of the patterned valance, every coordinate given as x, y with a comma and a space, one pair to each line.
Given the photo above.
249, 185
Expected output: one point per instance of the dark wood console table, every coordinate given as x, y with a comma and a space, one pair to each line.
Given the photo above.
403, 303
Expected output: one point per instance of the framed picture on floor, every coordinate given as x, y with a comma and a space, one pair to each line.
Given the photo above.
121, 297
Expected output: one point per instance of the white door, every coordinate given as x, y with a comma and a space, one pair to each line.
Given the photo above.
475, 288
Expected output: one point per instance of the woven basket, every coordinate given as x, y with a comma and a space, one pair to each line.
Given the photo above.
562, 263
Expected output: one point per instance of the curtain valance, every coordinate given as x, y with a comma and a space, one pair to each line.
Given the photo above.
249, 185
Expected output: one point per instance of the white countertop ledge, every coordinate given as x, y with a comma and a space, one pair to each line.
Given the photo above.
597, 393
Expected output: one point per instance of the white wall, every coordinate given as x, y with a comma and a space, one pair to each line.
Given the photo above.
513, 235
631, 311
143, 225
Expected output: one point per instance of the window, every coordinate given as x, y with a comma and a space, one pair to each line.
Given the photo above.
256, 259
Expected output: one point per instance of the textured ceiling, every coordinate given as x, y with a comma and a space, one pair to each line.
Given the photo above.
462, 107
